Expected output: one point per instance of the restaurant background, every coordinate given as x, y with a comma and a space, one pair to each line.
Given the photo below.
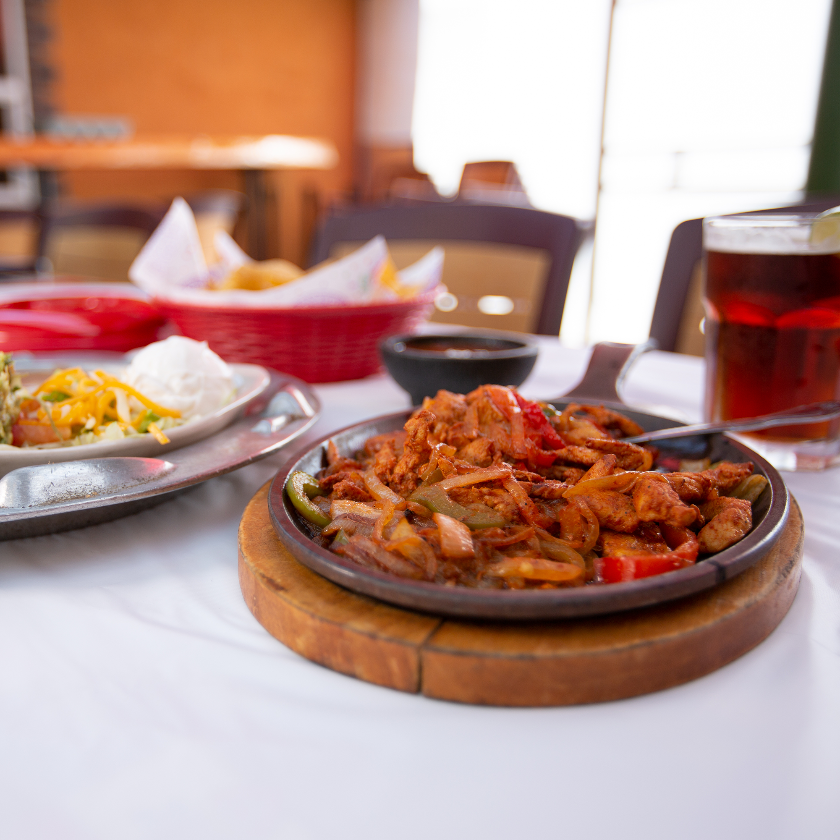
642, 112
191, 68
141, 695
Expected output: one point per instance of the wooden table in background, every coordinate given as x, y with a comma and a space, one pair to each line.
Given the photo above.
253, 156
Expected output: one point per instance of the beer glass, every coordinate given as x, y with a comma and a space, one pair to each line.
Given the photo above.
772, 300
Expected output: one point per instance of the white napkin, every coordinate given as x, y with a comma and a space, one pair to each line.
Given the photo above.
171, 267
172, 256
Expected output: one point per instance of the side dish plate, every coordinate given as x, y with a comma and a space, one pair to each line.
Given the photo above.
769, 517
250, 381
45, 498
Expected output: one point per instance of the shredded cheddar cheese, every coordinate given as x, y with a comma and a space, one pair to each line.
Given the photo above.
159, 436
73, 403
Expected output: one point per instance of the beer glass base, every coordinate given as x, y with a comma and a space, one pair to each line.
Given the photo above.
802, 456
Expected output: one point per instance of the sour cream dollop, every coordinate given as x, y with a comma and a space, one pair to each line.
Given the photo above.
182, 374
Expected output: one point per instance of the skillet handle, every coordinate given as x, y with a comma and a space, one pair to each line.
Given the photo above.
608, 365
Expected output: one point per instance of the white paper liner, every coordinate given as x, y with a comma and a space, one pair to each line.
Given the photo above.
171, 268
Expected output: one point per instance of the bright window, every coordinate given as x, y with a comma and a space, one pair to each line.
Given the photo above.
710, 109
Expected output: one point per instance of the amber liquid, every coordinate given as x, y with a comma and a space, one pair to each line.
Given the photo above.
772, 337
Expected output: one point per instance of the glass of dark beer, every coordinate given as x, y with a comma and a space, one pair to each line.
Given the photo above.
772, 300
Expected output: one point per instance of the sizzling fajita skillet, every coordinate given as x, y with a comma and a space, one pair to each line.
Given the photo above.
607, 368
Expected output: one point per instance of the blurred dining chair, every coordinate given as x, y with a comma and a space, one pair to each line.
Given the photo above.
678, 313
492, 182
19, 231
677, 323
504, 267
95, 241
413, 187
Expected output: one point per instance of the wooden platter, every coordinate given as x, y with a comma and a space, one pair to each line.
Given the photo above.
585, 660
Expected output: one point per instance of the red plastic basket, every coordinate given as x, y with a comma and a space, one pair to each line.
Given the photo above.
316, 344
65, 316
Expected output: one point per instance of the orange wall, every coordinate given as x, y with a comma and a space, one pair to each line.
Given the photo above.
215, 67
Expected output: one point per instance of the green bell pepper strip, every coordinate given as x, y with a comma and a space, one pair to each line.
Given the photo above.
300, 488
432, 478
340, 538
149, 417
436, 500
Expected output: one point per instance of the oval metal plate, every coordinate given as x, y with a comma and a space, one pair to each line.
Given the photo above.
46, 498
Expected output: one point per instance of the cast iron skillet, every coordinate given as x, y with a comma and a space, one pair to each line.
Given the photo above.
606, 368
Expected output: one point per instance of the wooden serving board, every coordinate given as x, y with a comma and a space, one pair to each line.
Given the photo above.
586, 660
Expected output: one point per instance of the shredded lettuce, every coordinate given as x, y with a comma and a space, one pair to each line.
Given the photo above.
10, 397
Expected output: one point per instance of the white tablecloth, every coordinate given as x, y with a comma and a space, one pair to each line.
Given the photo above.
140, 698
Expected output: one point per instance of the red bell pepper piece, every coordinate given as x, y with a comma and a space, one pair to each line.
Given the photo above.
539, 423
684, 549
633, 567
540, 457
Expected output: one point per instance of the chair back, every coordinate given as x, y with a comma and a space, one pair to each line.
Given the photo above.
95, 241
678, 313
492, 182
505, 267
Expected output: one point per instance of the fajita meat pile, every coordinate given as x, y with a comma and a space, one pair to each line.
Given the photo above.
492, 490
